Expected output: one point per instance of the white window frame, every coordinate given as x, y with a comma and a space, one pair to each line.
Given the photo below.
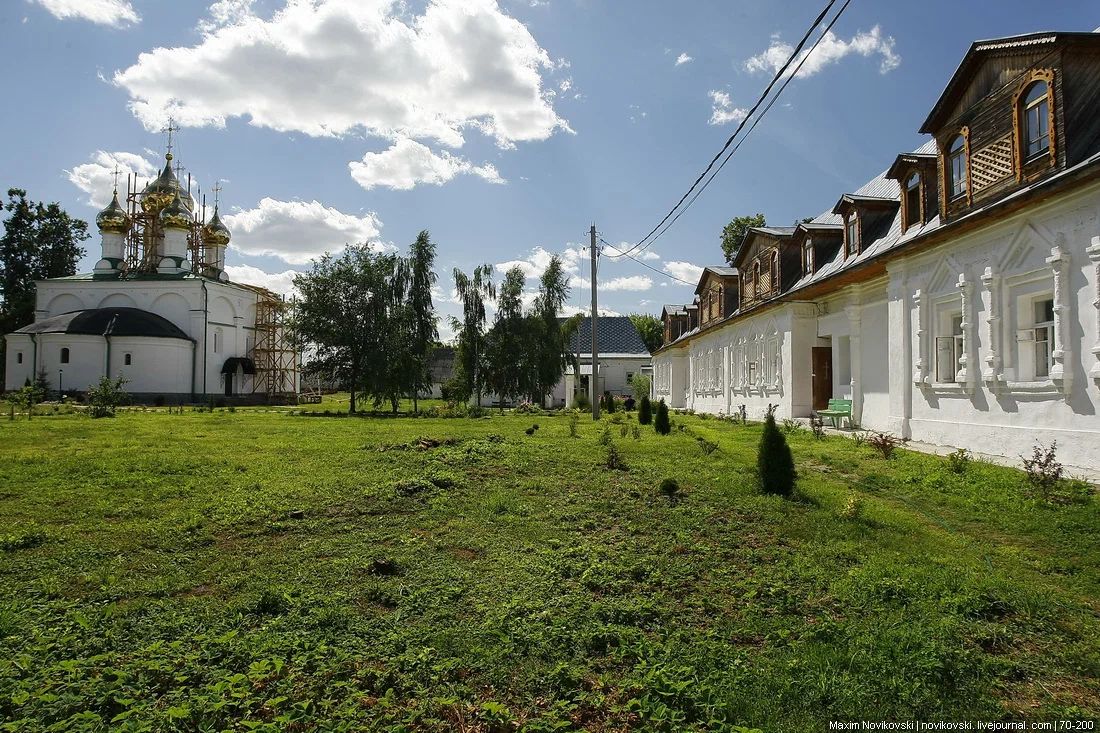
755, 353
949, 347
1028, 337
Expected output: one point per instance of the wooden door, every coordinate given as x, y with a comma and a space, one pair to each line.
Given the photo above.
229, 384
822, 365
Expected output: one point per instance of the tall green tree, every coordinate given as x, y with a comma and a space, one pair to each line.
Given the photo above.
507, 352
424, 330
470, 348
651, 330
389, 354
551, 343
733, 234
40, 241
337, 314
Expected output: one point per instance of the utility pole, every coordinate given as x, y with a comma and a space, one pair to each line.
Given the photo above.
594, 380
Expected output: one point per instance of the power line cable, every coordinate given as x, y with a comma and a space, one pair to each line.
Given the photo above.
748, 132
779, 74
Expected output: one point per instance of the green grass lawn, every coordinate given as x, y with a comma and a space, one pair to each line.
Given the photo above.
265, 571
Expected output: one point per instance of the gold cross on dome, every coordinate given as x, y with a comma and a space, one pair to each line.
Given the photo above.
116, 174
170, 129
217, 190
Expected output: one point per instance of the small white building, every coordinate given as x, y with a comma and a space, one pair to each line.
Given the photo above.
158, 309
955, 298
622, 354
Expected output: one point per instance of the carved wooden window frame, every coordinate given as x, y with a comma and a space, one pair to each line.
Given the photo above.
853, 214
921, 220
808, 257
945, 158
1019, 157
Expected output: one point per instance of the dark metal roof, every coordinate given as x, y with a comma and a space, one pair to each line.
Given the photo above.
247, 365
616, 334
774, 231
109, 322
441, 364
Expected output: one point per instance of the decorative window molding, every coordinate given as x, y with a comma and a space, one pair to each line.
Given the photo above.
968, 371
991, 304
920, 363
1060, 372
1094, 254
1020, 157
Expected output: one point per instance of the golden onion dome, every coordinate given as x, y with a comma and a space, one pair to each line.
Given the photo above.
215, 232
161, 190
113, 218
176, 215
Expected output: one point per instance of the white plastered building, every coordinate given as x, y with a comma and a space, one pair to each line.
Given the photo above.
955, 298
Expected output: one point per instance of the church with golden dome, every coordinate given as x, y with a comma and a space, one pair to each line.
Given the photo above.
159, 309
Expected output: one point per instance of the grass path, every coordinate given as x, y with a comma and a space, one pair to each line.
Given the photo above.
264, 571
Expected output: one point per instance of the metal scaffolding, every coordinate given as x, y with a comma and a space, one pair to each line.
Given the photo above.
145, 235
274, 355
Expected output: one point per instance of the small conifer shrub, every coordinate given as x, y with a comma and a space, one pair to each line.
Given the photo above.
774, 462
614, 459
645, 411
661, 423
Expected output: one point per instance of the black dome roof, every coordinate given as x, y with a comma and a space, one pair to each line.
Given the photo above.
109, 322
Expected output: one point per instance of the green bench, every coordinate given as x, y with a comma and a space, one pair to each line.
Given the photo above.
838, 409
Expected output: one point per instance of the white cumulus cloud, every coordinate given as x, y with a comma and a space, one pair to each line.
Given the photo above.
633, 282
684, 271
96, 179
829, 51
278, 282
105, 12
538, 260
298, 231
683, 59
407, 163
722, 109
333, 67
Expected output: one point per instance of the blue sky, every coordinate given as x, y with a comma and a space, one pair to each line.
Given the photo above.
503, 127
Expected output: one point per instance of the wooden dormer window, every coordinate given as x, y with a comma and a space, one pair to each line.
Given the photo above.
1035, 113
956, 168
851, 235
914, 213
775, 271
808, 257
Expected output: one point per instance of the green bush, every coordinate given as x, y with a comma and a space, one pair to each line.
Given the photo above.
661, 424
645, 411
609, 403
670, 487
774, 462
107, 395
581, 401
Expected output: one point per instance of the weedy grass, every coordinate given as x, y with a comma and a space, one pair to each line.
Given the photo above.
263, 571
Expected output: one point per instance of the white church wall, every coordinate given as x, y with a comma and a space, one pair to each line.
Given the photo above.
19, 361
157, 366
85, 364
